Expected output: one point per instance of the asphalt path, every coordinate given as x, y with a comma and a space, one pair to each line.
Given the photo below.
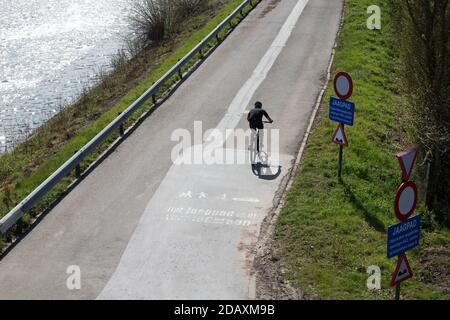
156, 221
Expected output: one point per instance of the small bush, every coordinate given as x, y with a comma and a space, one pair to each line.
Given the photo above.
186, 8
152, 20
155, 20
6, 167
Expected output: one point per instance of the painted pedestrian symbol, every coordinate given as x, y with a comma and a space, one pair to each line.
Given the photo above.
203, 195
186, 195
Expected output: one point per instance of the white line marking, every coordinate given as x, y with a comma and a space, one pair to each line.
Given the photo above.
246, 200
132, 257
243, 97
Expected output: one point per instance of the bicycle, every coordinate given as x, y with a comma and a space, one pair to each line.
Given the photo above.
257, 137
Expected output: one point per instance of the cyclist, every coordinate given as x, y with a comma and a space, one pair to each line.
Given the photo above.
255, 120
255, 117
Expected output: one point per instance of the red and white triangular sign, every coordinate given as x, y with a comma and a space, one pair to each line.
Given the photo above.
407, 160
339, 136
402, 271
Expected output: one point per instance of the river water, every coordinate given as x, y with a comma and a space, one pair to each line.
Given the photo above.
49, 51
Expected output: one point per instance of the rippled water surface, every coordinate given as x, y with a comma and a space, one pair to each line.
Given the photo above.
49, 51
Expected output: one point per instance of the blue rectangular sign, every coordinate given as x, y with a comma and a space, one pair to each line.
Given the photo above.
403, 236
342, 111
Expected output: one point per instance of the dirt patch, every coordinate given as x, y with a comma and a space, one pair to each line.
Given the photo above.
435, 267
272, 5
271, 283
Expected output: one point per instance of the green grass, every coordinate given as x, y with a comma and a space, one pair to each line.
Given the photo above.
331, 231
19, 183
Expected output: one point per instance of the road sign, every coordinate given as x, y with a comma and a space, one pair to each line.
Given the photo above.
343, 85
342, 111
405, 200
403, 236
402, 271
339, 136
407, 160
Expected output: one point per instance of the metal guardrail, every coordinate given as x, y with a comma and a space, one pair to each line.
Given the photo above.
26, 204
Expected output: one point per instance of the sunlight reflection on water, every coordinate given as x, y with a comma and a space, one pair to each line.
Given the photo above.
49, 51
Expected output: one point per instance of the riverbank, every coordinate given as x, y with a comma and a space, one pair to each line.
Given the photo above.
50, 50
22, 170
330, 231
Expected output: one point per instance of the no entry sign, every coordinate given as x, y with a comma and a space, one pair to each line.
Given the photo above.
343, 85
405, 200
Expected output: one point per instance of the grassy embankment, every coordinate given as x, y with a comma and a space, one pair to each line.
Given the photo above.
31, 162
331, 231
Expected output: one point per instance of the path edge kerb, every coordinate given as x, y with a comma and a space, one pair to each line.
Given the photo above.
270, 281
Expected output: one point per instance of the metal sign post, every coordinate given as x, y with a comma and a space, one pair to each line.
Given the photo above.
341, 152
340, 138
397, 291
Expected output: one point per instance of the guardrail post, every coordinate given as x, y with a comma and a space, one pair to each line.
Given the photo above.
121, 128
201, 54
77, 170
154, 98
180, 74
20, 226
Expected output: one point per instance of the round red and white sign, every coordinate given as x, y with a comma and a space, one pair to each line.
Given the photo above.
343, 85
405, 200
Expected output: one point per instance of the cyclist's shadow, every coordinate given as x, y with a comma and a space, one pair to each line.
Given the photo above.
260, 162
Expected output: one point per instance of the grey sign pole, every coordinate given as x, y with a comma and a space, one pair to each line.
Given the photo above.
397, 292
341, 154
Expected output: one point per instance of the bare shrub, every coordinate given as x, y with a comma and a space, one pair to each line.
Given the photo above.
155, 20
188, 7
119, 60
152, 20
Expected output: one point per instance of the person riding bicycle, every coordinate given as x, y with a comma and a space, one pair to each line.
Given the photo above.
255, 117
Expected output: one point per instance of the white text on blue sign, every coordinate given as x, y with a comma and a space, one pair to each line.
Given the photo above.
403, 236
342, 111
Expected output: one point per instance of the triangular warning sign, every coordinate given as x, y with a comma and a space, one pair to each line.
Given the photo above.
402, 271
339, 136
407, 160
